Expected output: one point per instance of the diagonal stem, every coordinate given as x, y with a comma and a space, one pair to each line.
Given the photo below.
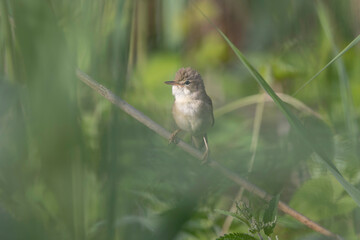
197, 154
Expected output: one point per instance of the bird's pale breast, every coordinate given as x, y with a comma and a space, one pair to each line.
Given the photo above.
192, 115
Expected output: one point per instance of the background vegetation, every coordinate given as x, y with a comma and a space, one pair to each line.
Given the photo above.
73, 166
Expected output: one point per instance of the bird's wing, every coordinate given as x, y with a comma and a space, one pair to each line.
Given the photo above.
209, 102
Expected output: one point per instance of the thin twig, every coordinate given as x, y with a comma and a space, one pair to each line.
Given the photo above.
197, 154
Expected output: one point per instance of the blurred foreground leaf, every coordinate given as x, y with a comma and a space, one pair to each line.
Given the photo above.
324, 199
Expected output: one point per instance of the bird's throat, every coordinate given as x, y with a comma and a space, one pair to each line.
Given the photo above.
185, 94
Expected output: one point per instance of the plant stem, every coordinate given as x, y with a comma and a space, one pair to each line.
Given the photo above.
260, 236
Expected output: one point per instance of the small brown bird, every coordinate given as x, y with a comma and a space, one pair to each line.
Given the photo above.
192, 109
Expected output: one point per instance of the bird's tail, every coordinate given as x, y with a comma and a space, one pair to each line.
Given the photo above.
198, 141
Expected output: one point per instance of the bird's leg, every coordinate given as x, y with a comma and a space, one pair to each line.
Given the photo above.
172, 138
206, 153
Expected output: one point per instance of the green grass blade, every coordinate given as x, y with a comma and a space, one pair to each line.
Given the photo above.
293, 120
344, 85
347, 48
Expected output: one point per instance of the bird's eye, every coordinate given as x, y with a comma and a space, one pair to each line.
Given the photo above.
187, 82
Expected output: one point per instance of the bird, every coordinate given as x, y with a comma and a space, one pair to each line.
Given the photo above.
192, 109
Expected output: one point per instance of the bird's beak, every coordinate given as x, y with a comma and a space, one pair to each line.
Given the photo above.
172, 83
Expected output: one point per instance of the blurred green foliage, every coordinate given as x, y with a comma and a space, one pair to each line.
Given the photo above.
73, 166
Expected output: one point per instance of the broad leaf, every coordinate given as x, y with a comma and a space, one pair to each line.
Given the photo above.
324, 197
269, 218
234, 215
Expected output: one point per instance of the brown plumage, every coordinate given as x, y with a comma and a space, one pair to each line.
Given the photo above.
192, 109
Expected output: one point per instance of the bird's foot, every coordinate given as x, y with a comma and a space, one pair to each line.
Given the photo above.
173, 138
205, 157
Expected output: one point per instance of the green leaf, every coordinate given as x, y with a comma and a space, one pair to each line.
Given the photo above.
293, 120
236, 236
269, 218
234, 215
322, 198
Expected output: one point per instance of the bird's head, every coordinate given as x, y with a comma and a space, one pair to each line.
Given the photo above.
187, 82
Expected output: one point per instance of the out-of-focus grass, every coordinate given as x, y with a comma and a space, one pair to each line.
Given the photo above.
346, 99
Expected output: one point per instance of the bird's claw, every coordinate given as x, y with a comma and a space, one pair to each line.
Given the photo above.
173, 138
205, 157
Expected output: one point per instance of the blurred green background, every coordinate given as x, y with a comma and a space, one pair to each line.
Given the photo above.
73, 166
